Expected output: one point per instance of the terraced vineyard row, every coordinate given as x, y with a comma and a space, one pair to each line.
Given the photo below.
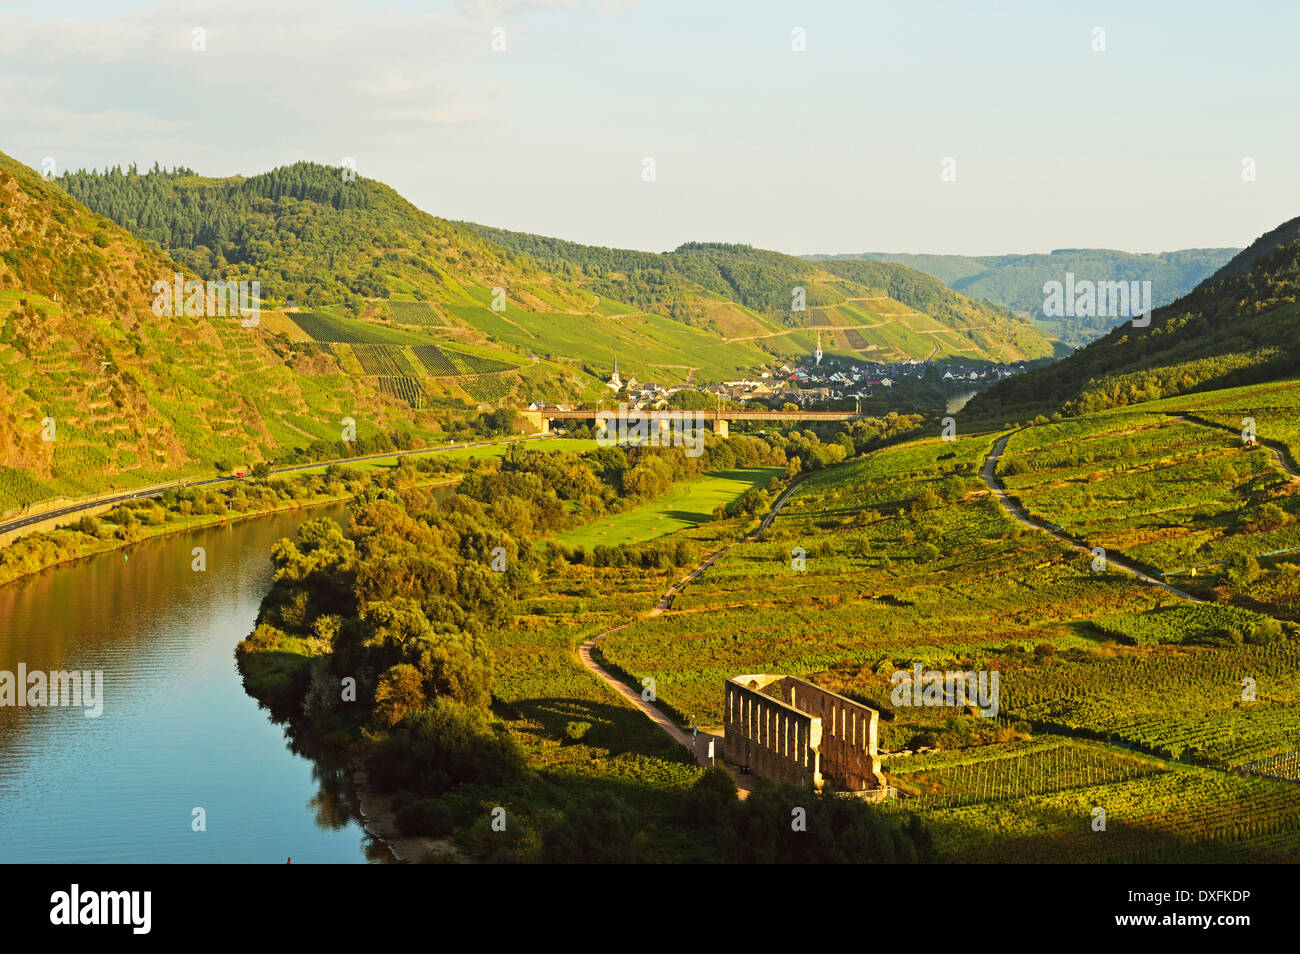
1284, 766
1194, 623
415, 313
477, 364
1043, 804
1221, 707
407, 389
488, 387
1035, 772
326, 328
381, 360
436, 360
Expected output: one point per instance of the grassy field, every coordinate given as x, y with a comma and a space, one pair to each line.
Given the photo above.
687, 505
1172, 486
908, 558
1172, 495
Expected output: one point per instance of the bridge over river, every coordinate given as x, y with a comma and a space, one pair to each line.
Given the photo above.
542, 419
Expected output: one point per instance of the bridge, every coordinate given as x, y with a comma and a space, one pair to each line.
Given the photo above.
541, 420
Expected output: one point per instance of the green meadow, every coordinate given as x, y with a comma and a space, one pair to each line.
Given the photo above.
687, 505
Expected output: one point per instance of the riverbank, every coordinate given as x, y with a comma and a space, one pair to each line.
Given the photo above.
379, 819
180, 524
177, 730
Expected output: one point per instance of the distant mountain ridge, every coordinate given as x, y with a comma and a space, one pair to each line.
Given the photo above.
1239, 326
431, 309
1016, 281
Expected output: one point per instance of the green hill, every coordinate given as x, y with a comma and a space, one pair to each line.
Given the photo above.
947, 268
1016, 281
362, 262
1238, 327
133, 398
355, 248
358, 252
868, 310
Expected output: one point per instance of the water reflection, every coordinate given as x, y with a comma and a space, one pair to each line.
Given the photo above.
178, 731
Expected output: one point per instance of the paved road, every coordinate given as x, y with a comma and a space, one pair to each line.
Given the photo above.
26, 521
1018, 513
700, 749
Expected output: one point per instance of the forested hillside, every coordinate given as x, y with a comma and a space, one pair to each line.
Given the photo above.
315, 236
1238, 327
688, 282
1016, 281
98, 392
307, 232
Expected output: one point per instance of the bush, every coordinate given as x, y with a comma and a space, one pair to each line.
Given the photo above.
709, 798
1271, 517
443, 746
837, 830
399, 693
599, 829
429, 816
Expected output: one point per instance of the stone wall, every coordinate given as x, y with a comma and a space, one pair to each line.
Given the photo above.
849, 731
776, 741
800, 733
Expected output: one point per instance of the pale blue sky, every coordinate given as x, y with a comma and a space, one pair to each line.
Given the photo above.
836, 149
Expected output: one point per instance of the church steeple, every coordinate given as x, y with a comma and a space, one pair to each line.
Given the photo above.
615, 382
817, 355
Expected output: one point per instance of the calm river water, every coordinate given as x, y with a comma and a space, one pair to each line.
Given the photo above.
177, 730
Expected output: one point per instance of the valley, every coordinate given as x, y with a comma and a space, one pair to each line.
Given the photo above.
543, 623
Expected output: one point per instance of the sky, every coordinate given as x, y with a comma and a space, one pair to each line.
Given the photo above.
917, 126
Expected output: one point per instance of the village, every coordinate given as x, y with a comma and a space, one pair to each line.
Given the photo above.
820, 382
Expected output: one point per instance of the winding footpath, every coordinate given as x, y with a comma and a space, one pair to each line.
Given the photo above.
586, 654
1279, 452
1022, 516
586, 651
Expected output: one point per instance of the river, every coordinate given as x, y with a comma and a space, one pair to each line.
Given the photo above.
177, 731
959, 401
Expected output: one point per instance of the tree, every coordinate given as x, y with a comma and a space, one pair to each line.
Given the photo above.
709, 798
836, 830
443, 746
399, 693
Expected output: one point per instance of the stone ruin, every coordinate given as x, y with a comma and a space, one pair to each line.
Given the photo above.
788, 730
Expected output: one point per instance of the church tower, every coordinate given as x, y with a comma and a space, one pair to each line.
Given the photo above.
817, 355
615, 382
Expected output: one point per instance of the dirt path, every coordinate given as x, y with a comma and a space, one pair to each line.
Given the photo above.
1278, 451
700, 747
989, 474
